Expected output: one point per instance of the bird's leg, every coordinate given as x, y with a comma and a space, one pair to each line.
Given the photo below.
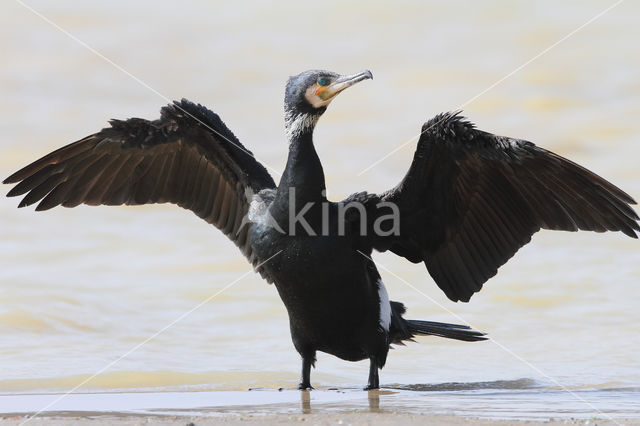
308, 361
374, 380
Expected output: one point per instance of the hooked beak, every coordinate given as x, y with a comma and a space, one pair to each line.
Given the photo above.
342, 83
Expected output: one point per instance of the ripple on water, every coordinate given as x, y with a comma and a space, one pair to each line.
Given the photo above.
518, 384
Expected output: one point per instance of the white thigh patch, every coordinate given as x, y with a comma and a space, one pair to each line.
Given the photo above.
385, 307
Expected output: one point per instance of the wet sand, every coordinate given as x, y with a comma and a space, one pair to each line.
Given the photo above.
355, 419
270, 406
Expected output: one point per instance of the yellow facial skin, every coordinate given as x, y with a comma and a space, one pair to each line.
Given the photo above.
319, 96
322, 92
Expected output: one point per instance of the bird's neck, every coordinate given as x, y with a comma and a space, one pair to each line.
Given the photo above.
303, 170
302, 188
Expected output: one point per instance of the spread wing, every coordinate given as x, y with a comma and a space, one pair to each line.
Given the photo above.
471, 199
187, 157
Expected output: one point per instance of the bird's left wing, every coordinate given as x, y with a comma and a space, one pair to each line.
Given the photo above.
187, 157
471, 199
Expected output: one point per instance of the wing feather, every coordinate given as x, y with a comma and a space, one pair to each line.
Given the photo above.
187, 157
473, 199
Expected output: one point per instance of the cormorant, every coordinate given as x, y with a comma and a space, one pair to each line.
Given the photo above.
469, 201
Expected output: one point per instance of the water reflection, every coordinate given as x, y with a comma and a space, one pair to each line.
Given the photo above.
305, 401
373, 400
531, 396
497, 400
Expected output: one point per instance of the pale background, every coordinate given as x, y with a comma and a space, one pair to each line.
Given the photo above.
80, 287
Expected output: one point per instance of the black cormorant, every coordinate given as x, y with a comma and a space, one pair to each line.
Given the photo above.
469, 201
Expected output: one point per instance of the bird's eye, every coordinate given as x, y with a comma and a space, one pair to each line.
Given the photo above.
323, 81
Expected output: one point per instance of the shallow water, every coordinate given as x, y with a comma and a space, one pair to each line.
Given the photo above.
516, 403
81, 287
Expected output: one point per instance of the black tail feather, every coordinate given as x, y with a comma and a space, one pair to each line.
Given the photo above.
450, 331
403, 329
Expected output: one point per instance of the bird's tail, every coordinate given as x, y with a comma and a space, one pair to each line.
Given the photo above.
404, 329
441, 329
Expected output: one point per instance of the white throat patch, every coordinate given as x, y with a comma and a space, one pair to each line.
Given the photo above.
296, 124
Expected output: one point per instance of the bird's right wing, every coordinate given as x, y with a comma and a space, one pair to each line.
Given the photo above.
187, 157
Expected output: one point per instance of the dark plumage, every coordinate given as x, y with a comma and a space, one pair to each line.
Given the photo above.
476, 198
469, 201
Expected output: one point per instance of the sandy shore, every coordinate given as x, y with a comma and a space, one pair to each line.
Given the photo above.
355, 419
287, 407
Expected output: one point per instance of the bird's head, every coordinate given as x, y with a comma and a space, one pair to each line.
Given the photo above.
308, 94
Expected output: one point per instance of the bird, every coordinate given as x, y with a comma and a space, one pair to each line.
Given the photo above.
469, 201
